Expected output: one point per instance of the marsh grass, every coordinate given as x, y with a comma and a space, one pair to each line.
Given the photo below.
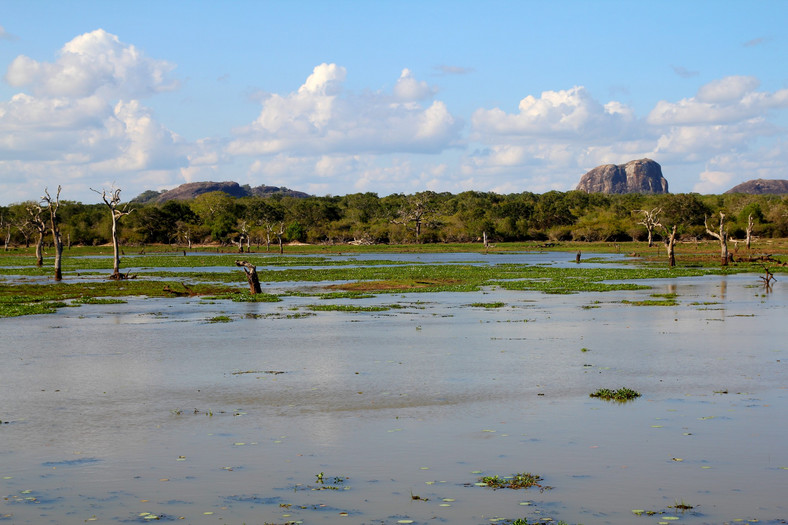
245, 297
681, 505
30, 299
351, 279
97, 300
345, 308
515, 481
659, 299
621, 395
497, 304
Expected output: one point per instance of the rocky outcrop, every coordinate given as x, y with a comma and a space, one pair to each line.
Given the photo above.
761, 187
191, 190
636, 176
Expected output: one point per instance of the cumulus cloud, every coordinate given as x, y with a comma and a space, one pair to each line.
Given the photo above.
567, 113
409, 89
552, 139
713, 182
322, 118
726, 100
95, 63
80, 116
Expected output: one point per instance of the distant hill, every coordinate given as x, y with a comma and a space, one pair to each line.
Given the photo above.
761, 187
636, 176
190, 190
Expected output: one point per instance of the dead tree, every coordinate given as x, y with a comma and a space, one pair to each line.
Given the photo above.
243, 236
251, 276
112, 200
750, 225
53, 205
669, 239
34, 211
767, 279
722, 236
279, 233
650, 221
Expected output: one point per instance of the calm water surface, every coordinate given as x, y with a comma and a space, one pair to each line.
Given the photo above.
124, 413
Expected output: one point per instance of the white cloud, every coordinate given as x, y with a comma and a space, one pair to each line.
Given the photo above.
727, 100
409, 89
80, 122
713, 182
556, 114
554, 138
95, 63
321, 118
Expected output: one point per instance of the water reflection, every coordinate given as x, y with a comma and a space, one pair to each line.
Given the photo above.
237, 418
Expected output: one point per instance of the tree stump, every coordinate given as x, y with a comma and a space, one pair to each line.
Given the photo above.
251, 276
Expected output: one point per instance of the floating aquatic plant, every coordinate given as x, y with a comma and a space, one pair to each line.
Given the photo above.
515, 481
622, 394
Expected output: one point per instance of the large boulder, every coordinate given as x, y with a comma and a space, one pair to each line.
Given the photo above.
636, 176
761, 187
190, 190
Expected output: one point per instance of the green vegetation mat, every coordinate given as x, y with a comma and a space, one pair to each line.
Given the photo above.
30, 290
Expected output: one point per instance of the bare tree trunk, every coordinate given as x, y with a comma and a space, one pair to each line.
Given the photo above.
55, 227
722, 236
38, 223
670, 243
112, 203
40, 250
279, 236
58, 255
115, 249
650, 221
251, 276
750, 225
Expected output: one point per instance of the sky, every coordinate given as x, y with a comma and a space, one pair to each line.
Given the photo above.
334, 97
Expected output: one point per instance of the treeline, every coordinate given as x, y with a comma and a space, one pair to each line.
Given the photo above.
425, 217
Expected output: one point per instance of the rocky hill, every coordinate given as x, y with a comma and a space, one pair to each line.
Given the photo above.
191, 190
636, 176
761, 187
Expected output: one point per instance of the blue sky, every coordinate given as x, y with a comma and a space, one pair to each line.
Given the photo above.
338, 97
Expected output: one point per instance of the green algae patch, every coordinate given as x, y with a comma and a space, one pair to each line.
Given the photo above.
31, 299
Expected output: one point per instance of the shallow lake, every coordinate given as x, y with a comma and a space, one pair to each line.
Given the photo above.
149, 410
